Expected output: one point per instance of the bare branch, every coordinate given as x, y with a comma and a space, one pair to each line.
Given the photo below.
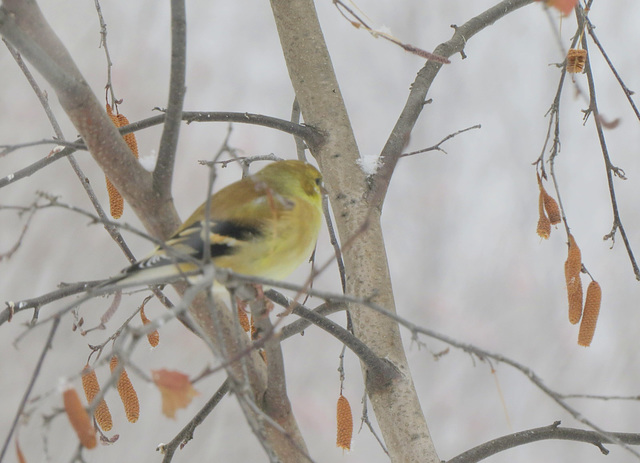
610, 168
36, 372
437, 147
553, 431
415, 102
163, 173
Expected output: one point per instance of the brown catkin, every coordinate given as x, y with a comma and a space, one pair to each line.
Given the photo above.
128, 394
574, 294
345, 423
129, 138
154, 336
551, 206
79, 418
590, 315
91, 389
116, 202
113, 117
243, 319
572, 269
544, 225
574, 257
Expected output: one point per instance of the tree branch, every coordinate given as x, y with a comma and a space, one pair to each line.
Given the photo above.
163, 172
318, 93
553, 431
417, 96
24, 26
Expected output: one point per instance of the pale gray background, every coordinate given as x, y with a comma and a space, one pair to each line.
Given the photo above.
460, 227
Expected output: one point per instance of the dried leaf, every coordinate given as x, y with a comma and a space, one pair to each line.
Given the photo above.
591, 312
19, 454
79, 418
345, 423
176, 389
565, 6
576, 60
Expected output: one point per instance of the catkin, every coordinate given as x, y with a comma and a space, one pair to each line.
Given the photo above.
544, 224
590, 315
154, 336
243, 319
574, 294
572, 269
79, 418
551, 206
116, 202
128, 394
129, 138
91, 389
344, 423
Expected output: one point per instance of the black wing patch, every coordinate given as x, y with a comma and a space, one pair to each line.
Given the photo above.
188, 245
230, 230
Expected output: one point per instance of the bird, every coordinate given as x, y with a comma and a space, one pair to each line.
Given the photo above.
264, 225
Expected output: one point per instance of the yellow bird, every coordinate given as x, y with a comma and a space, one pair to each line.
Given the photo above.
264, 225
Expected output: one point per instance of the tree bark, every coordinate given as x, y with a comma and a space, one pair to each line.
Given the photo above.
395, 403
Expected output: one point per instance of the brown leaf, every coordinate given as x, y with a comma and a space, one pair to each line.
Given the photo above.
20, 455
565, 6
176, 389
79, 418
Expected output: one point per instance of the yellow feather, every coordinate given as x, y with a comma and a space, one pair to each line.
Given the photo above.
263, 225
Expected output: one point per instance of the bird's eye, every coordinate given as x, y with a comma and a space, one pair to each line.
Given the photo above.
319, 181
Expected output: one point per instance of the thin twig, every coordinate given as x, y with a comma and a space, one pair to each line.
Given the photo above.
358, 22
6, 149
105, 47
420, 87
610, 168
307, 133
625, 89
44, 101
186, 434
437, 147
163, 172
27, 392
295, 119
